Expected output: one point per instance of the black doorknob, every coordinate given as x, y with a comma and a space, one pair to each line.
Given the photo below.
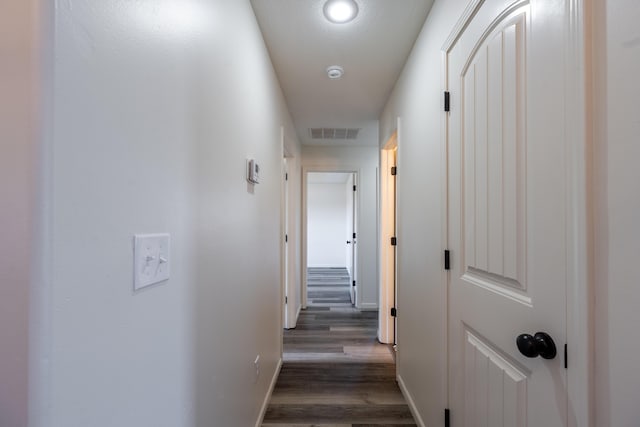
540, 344
348, 242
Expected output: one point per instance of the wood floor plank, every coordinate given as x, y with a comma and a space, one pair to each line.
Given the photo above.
380, 414
336, 425
305, 425
337, 357
381, 396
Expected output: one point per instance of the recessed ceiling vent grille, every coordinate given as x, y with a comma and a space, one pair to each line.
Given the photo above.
334, 133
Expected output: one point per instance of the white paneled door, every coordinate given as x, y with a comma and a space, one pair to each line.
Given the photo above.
507, 227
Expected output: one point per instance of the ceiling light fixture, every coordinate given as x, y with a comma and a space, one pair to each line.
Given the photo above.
335, 72
340, 11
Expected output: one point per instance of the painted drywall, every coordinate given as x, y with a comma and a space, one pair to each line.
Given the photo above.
156, 107
326, 225
365, 161
417, 101
18, 149
616, 62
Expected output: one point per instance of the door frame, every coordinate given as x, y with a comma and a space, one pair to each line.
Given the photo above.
285, 244
288, 249
578, 208
327, 169
387, 264
351, 250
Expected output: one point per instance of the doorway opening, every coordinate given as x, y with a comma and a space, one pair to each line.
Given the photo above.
331, 236
388, 233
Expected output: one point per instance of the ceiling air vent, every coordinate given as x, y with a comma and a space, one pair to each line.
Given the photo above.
334, 133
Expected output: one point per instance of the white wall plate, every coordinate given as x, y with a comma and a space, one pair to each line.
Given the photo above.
151, 259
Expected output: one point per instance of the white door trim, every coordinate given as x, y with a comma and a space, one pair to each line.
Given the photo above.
283, 249
305, 171
286, 279
291, 310
386, 264
579, 215
578, 207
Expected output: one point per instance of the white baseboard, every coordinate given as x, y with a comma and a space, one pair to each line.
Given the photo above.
410, 402
368, 306
263, 409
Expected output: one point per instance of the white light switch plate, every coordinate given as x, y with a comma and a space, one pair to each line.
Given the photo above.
151, 259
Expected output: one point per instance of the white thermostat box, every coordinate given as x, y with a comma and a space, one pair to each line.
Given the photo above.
253, 172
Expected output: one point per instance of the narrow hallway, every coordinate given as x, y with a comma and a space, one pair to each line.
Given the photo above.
335, 373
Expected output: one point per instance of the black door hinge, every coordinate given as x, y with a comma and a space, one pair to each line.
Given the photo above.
394, 170
447, 97
394, 241
394, 312
286, 238
354, 283
447, 260
354, 236
447, 421
286, 300
286, 177
566, 358
354, 188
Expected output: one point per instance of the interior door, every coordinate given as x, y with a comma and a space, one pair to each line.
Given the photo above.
285, 272
354, 247
349, 232
507, 220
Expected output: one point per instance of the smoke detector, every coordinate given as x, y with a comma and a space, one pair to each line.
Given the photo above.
335, 72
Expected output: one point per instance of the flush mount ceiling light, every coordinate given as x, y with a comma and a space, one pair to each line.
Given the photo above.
335, 72
340, 11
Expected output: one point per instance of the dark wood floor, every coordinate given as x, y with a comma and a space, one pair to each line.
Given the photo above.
335, 373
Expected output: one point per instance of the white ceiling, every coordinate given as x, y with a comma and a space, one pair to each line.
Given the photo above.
372, 49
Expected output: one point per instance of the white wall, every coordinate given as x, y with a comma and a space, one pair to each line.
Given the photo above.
151, 106
365, 160
18, 148
326, 225
617, 210
417, 100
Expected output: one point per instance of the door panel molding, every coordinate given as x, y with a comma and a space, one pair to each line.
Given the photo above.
498, 386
